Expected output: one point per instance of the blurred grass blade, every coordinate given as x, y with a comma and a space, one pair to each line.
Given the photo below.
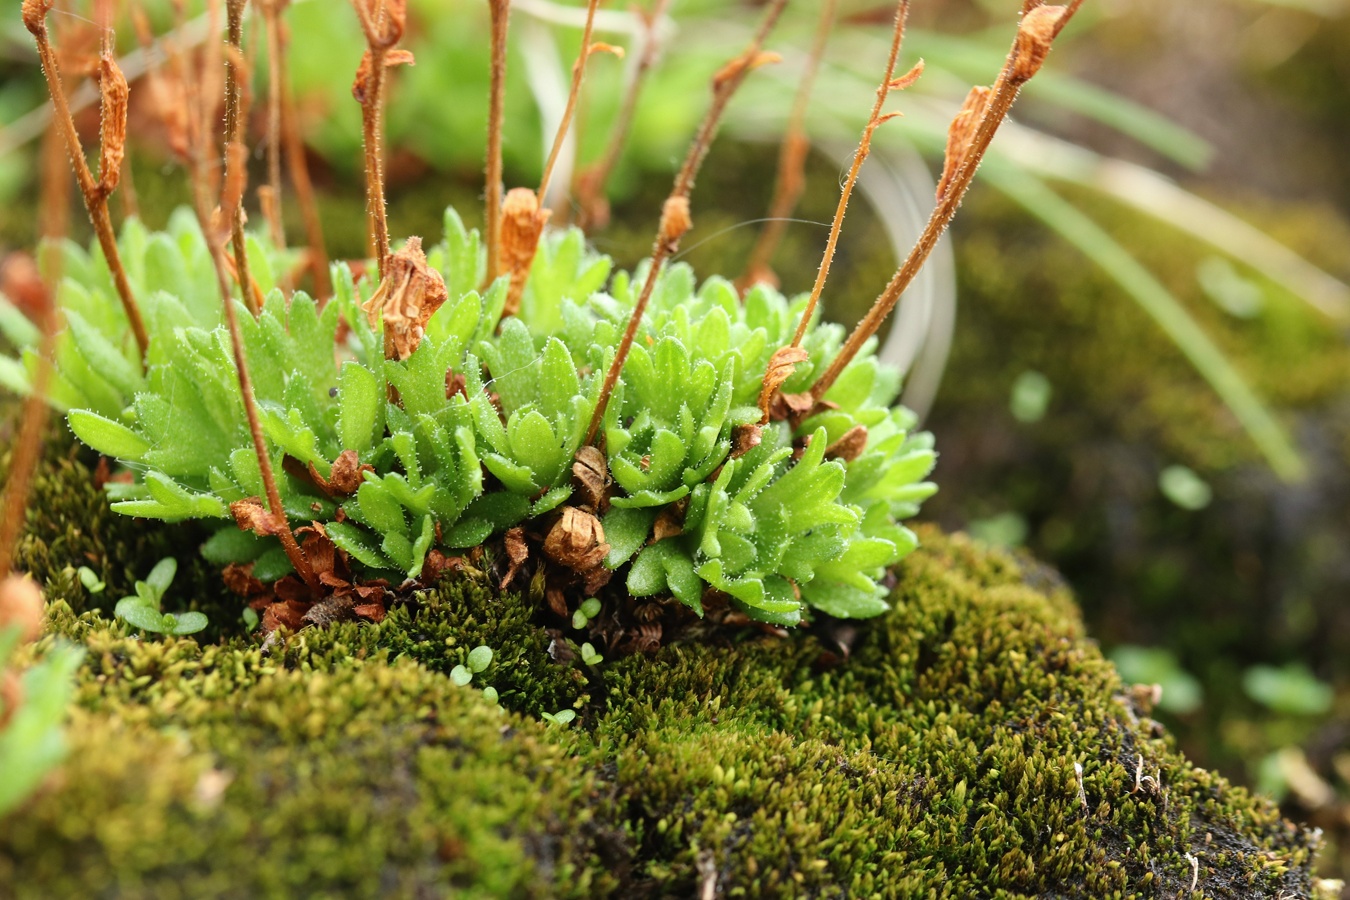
1153, 193
972, 61
1085, 234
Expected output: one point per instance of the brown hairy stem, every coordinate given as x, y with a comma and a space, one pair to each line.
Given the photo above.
214, 239
590, 182
782, 364
874, 121
523, 215
383, 22
235, 126
791, 179
675, 220
565, 124
113, 89
1036, 32
501, 17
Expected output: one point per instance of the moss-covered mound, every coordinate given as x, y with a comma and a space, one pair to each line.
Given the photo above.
934, 752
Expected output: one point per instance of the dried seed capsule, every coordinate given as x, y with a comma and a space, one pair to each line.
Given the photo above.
21, 606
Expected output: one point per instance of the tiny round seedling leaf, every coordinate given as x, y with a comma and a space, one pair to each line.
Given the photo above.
461, 676
138, 615
480, 658
187, 622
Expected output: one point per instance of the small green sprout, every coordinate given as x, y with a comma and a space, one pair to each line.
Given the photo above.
480, 658
461, 676
590, 608
490, 694
143, 610
561, 717
589, 656
1185, 488
89, 578
250, 618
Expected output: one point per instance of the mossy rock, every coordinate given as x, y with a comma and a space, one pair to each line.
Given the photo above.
936, 757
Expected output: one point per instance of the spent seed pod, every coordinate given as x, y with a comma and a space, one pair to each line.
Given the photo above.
1035, 34
961, 133
408, 296
522, 224
113, 96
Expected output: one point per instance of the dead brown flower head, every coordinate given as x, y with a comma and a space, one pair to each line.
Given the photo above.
782, 365
406, 299
576, 540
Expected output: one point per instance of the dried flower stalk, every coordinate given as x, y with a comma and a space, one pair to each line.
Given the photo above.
236, 120
383, 22
1036, 32
888, 83
675, 217
281, 527
590, 182
112, 142
501, 18
523, 223
791, 179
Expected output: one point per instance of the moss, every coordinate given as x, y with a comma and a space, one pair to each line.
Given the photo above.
936, 760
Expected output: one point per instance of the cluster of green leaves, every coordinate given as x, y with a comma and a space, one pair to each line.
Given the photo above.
775, 528
32, 742
143, 610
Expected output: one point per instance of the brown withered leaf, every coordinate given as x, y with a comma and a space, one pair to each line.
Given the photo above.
576, 540
375, 612
345, 477
289, 614
522, 224
850, 445
745, 438
669, 523
361, 84
238, 577
250, 515
960, 134
781, 366
517, 551
406, 299
590, 477
907, 80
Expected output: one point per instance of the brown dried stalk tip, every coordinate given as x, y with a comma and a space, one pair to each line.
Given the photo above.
1035, 34
408, 296
675, 221
21, 606
522, 223
35, 16
113, 96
